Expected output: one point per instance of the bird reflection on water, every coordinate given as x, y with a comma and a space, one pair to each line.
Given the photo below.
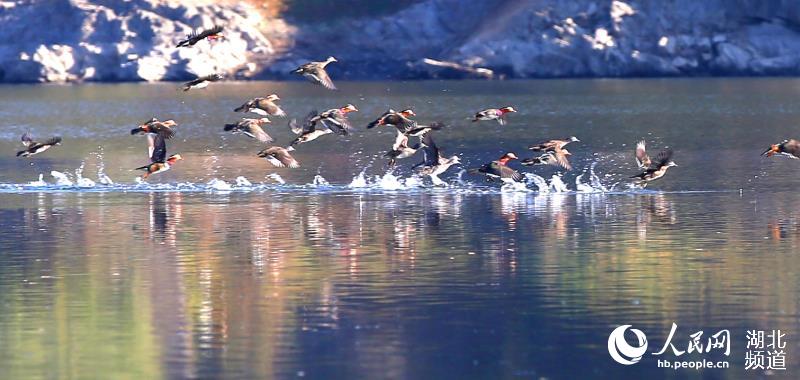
290, 274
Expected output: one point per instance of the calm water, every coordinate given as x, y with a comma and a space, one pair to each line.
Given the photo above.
220, 268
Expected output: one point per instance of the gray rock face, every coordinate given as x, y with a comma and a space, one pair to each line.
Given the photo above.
552, 38
108, 40
63, 41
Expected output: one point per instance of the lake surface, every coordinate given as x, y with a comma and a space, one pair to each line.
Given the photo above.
225, 267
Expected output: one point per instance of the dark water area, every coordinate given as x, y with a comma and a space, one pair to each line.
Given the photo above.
225, 267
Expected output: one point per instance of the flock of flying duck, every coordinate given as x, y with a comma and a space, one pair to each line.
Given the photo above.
335, 121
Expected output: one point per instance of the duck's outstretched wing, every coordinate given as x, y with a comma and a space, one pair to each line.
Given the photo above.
561, 160
792, 147
506, 172
400, 141
543, 146
309, 125
196, 37
255, 131
52, 141
642, 159
322, 77
159, 149
430, 151
279, 157
380, 119
27, 140
663, 157
338, 123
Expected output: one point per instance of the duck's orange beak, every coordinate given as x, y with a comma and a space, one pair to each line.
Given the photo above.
771, 151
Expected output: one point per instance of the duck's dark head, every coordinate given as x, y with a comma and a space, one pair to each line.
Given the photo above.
151, 121
141, 130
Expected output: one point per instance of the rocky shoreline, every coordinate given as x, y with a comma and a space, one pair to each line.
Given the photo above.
93, 40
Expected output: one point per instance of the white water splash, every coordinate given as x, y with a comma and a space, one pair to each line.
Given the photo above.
389, 182
460, 177
61, 178
557, 185
38, 183
358, 181
541, 183
104, 179
219, 185
320, 181
509, 185
85, 182
80, 181
242, 181
416, 181
583, 187
277, 178
101, 169
594, 185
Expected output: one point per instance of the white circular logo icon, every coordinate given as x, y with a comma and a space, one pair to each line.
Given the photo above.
621, 351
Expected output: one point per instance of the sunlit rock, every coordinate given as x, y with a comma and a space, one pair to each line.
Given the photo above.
62, 41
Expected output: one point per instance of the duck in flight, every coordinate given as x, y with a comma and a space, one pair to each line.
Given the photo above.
336, 119
310, 130
498, 114
788, 148
159, 162
279, 157
214, 33
262, 106
315, 73
400, 120
434, 162
554, 153
34, 147
401, 149
155, 126
251, 128
553, 145
499, 169
557, 158
652, 169
201, 82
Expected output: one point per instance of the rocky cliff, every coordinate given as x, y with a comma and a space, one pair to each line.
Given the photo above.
107, 40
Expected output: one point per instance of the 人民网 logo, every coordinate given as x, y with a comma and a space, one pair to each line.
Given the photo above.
621, 351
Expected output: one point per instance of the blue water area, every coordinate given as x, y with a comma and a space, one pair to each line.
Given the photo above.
227, 267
